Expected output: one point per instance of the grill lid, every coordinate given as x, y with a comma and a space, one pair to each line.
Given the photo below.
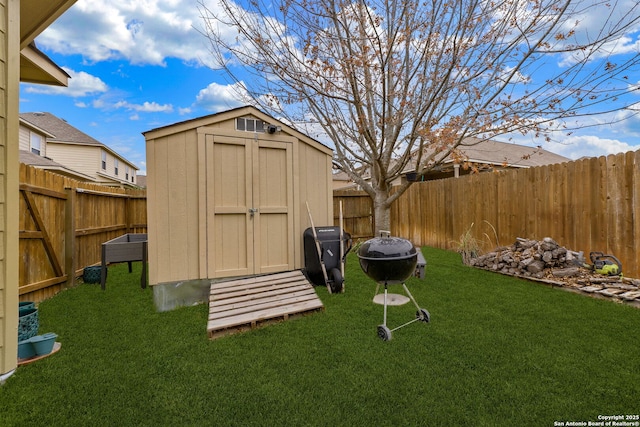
387, 248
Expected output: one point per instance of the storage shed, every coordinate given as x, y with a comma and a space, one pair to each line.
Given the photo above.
227, 196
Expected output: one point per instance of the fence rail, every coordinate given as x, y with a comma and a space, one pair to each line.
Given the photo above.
63, 223
585, 205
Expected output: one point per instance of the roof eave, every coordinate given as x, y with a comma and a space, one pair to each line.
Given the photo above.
36, 16
36, 67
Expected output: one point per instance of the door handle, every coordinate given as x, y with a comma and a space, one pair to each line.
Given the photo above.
253, 211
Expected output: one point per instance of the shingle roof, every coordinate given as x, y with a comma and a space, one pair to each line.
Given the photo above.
35, 160
502, 154
29, 158
509, 154
62, 131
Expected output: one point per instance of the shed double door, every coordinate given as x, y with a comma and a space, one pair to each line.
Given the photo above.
249, 206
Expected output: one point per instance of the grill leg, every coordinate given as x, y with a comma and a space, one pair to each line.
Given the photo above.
385, 305
410, 296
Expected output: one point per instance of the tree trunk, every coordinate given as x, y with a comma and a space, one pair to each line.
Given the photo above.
381, 212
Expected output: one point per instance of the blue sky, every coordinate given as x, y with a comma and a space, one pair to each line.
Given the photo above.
138, 65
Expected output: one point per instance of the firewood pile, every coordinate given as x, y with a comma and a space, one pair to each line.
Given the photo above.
546, 261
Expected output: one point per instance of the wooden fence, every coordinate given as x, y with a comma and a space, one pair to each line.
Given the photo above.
357, 213
63, 223
585, 205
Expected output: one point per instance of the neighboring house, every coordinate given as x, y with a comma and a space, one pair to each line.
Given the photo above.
141, 181
341, 180
72, 152
475, 155
41, 162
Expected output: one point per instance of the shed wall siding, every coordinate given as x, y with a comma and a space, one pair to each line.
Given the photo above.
172, 200
9, 167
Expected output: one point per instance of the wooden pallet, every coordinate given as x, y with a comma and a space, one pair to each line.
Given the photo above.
244, 304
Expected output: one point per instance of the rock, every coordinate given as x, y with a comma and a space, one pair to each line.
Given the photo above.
565, 272
525, 262
590, 289
625, 287
609, 292
548, 244
557, 253
630, 296
535, 267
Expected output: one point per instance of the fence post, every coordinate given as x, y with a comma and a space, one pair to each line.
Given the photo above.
70, 262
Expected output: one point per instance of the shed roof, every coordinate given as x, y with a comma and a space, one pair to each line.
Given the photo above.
228, 115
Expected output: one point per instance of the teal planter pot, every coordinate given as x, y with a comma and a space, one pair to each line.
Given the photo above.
43, 344
27, 323
91, 274
26, 304
26, 349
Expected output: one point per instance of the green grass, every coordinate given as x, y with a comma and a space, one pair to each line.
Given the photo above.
498, 352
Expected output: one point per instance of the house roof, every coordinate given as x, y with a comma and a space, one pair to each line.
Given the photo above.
507, 154
59, 131
495, 153
228, 115
46, 163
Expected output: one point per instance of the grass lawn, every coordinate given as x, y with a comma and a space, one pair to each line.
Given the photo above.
498, 352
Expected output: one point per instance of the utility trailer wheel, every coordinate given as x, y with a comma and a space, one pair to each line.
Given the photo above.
423, 315
384, 333
337, 280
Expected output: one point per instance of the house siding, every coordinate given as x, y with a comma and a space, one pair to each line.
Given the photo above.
9, 174
80, 158
25, 140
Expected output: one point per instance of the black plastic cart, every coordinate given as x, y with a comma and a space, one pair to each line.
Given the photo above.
328, 241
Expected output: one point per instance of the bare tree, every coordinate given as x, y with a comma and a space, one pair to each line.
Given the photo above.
397, 83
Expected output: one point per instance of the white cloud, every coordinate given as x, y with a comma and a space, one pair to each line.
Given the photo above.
579, 146
80, 84
603, 15
144, 32
145, 107
216, 97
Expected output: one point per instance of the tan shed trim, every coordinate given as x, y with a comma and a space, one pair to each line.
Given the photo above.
202, 205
